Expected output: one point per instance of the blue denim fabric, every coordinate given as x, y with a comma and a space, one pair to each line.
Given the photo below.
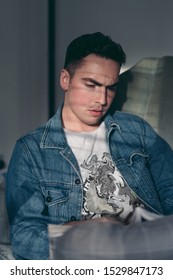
44, 183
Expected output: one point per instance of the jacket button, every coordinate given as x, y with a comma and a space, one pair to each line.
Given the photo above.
77, 181
73, 218
48, 199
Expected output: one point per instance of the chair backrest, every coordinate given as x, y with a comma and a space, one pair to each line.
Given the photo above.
146, 90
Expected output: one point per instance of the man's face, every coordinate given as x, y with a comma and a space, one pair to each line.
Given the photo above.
89, 93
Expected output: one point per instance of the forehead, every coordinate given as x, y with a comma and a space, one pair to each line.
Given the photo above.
98, 67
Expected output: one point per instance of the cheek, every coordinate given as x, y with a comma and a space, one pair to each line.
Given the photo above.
80, 98
110, 100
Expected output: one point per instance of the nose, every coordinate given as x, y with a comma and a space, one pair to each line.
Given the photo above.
101, 96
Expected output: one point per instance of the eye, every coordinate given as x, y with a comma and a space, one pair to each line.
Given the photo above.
113, 87
89, 85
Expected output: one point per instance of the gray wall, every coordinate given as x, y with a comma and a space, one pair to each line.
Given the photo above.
143, 27
23, 69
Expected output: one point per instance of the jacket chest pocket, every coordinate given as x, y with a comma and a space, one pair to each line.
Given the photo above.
137, 173
56, 198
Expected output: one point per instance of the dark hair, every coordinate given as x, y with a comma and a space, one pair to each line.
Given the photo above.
95, 43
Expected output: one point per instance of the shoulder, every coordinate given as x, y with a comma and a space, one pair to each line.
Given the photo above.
27, 147
130, 120
34, 135
124, 116
130, 124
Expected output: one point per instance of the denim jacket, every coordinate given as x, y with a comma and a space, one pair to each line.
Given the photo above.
44, 184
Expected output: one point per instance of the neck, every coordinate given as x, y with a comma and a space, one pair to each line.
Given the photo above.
77, 126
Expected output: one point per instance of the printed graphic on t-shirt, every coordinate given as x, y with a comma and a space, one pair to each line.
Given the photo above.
105, 191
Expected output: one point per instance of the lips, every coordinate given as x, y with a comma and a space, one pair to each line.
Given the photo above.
96, 113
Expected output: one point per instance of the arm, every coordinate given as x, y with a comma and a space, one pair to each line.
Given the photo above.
160, 163
25, 204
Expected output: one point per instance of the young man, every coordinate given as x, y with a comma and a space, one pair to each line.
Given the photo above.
86, 163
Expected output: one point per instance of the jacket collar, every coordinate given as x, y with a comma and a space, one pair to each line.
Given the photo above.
53, 135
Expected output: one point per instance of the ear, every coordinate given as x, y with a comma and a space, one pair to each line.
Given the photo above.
64, 79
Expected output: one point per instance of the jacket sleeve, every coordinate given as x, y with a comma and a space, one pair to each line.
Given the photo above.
160, 163
25, 202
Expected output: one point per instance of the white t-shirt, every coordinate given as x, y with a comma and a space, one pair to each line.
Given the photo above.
105, 192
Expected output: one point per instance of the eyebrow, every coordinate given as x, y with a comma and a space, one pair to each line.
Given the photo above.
99, 84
